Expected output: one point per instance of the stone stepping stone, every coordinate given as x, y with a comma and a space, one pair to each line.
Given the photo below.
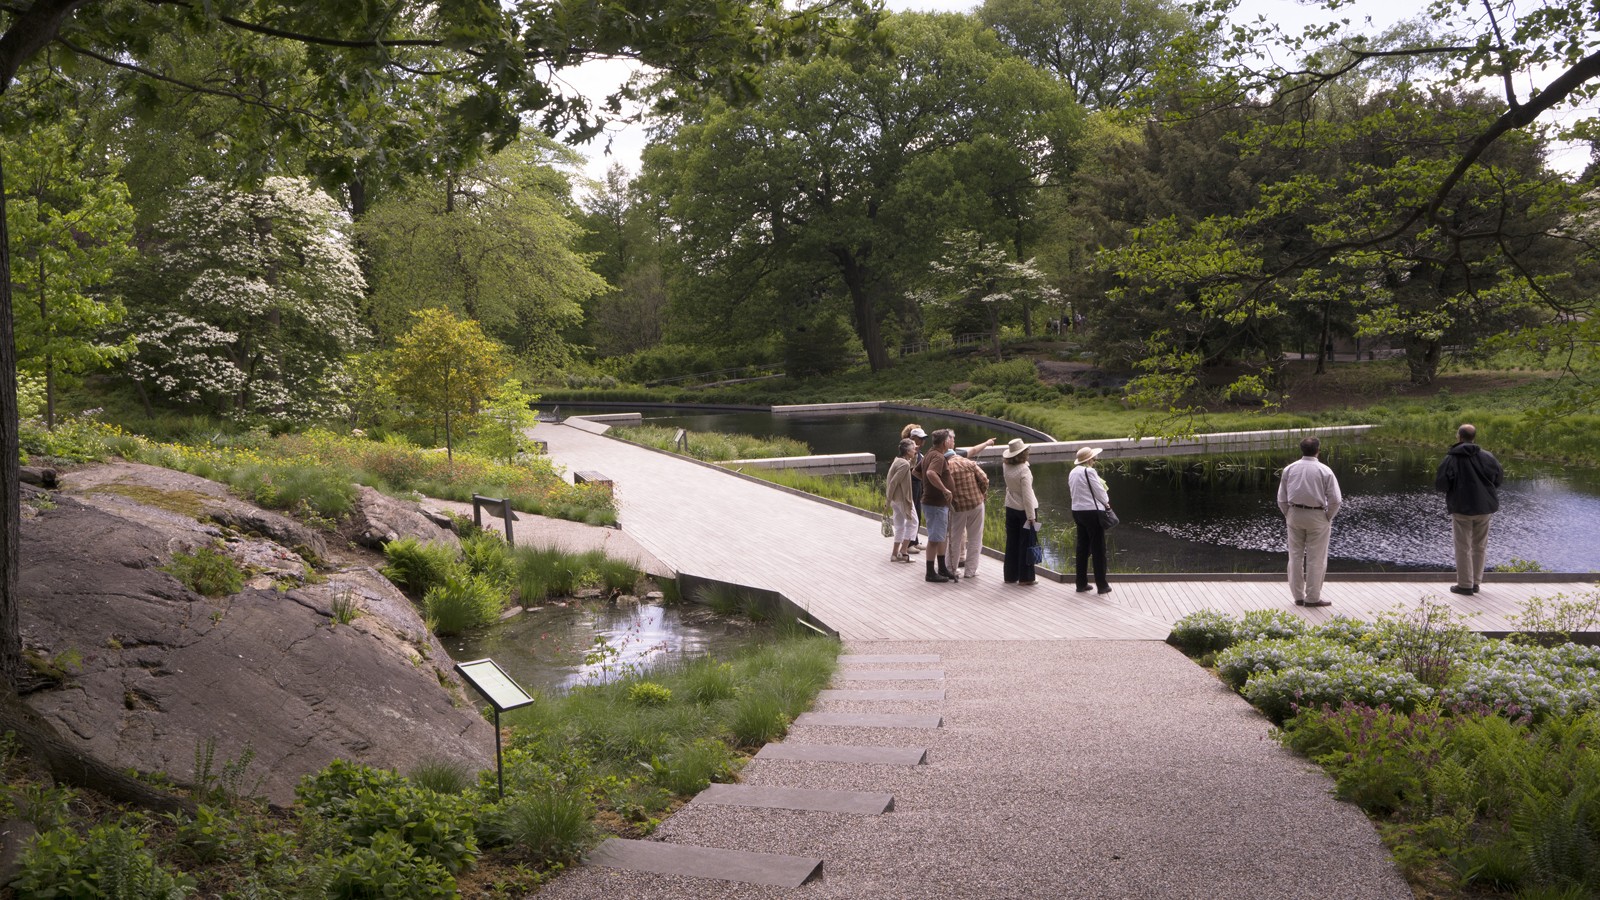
859, 803
846, 753
661, 858
852, 659
870, 720
881, 695
889, 675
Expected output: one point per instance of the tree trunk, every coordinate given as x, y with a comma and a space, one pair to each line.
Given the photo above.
11, 665
1322, 340
1422, 358
863, 310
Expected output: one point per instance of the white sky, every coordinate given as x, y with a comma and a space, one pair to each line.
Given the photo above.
627, 142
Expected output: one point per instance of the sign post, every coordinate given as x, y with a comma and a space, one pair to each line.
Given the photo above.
488, 679
495, 507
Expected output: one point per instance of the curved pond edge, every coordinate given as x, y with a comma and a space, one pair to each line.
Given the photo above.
1022, 431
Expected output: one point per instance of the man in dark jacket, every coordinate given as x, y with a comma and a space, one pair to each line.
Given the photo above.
1470, 478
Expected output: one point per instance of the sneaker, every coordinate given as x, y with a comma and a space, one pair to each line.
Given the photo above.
1458, 589
970, 575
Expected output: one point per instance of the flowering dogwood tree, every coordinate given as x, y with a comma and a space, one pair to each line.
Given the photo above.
257, 303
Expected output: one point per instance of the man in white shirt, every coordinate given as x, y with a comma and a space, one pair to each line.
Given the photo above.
1308, 497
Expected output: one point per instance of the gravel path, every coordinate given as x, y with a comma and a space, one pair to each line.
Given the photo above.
1073, 769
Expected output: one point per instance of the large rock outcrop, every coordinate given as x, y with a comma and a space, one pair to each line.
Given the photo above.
158, 671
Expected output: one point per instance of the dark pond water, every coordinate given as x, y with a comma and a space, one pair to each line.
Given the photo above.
1219, 514
555, 647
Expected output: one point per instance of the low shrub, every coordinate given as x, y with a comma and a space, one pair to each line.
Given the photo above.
1280, 694
207, 571
1206, 631
419, 567
387, 867
462, 602
441, 775
648, 693
487, 554
111, 861
547, 825
1239, 663
692, 767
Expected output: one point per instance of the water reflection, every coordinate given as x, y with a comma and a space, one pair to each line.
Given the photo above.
555, 647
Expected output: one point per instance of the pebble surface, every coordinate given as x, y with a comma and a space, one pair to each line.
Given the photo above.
1075, 769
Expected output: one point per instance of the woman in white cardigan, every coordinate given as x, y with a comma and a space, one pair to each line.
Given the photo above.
1022, 514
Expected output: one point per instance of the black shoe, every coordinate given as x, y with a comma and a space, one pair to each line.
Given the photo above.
1318, 603
1299, 603
935, 577
1085, 590
1104, 590
1458, 589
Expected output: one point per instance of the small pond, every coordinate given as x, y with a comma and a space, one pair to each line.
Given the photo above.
1219, 513
554, 647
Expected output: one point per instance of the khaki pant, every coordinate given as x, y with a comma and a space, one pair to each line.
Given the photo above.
1309, 531
1472, 542
966, 538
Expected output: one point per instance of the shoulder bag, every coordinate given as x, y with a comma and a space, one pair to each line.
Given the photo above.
1108, 518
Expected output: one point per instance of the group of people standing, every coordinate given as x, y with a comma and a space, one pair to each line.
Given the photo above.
1309, 498
936, 483
944, 486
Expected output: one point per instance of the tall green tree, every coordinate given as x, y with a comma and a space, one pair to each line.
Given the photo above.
1105, 50
494, 242
840, 180
71, 222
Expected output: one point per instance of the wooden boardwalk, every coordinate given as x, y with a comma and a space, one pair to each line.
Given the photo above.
704, 521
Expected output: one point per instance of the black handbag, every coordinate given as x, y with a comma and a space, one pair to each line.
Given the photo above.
1108, 519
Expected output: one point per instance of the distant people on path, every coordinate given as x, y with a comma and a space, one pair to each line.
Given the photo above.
915, 433
1470, 477
1308, 497
1022, 515
902, 510
969, 484
1089, 496
936, 502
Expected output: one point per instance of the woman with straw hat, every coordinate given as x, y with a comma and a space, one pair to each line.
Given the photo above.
1089, 496
1022, 514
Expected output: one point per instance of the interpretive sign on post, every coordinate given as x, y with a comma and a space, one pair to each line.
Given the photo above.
488, 679
494, 507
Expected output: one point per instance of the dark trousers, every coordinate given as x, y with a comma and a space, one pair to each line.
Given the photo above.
1091, 542
1019, 538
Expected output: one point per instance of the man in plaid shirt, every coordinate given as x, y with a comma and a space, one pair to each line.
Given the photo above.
968, 484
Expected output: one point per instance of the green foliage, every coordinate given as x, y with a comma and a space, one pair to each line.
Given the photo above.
1553, 620
386, 867
463, 601
486, 553
1242, 661
441, 775
692, 767
419, 567
546, 825
1209, 630
540, 573
445, 367
714, 446
41, 805
366, 803
1013, 373
823, 345
758, 719
208, 835
648, 693
206, 571
110, 863
503, 425
707, 681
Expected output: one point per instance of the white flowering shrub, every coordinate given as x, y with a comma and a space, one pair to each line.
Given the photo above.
1278, 694
1269, 623
1346, 630
1237, 664
255, 303
1203, 632
1528, 680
